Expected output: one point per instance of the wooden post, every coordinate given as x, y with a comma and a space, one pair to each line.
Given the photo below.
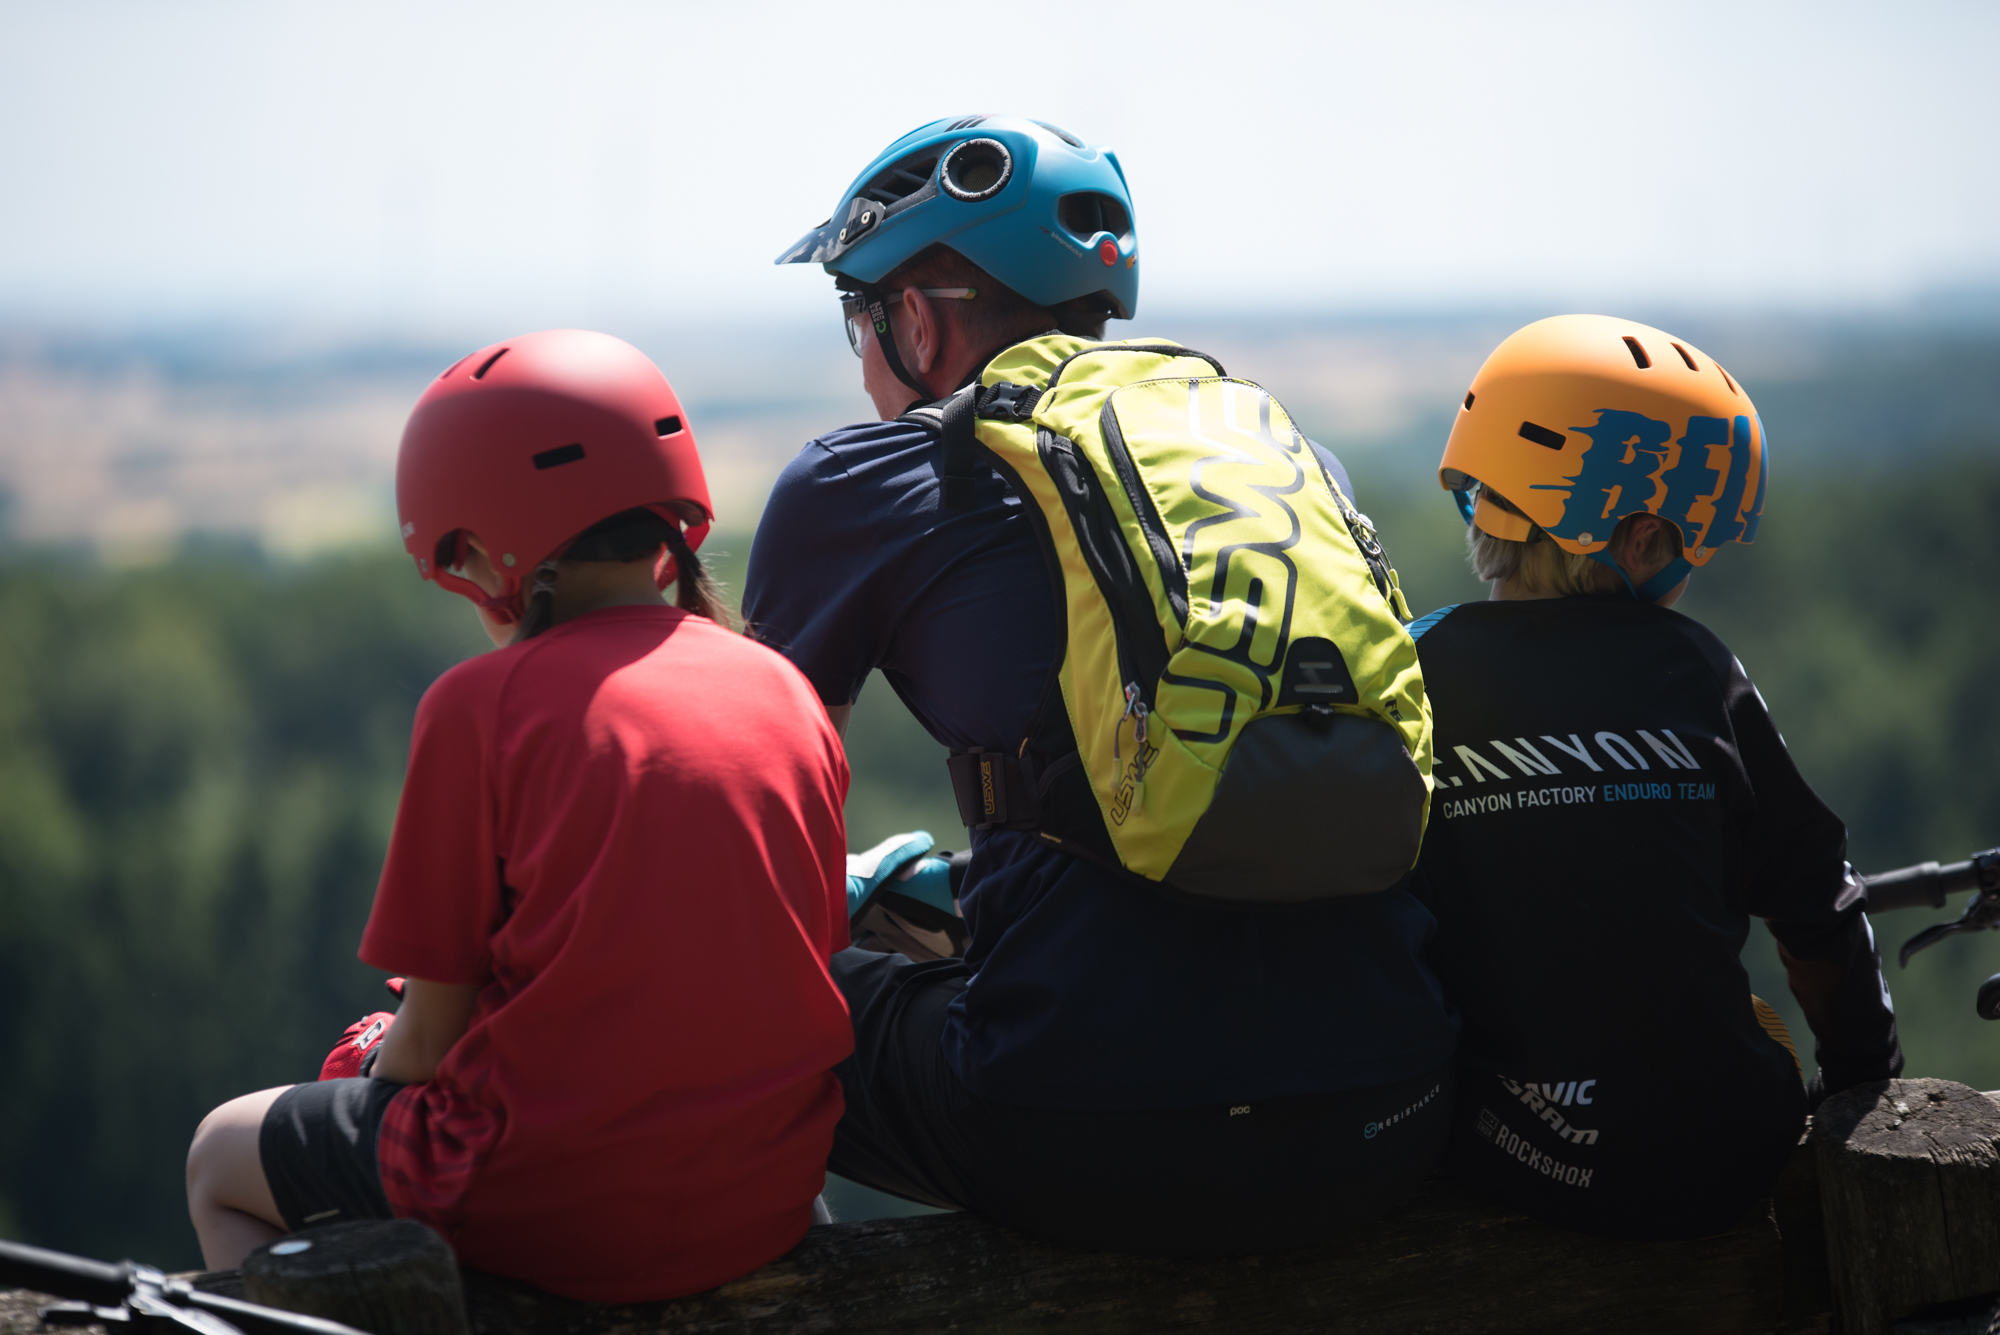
386, 1276
1910, 1181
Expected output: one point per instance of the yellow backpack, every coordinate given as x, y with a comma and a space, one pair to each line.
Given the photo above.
1242, 715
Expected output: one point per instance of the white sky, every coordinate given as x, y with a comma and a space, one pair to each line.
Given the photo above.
537, 164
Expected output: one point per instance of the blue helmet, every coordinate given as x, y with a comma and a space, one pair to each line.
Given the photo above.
1036, 207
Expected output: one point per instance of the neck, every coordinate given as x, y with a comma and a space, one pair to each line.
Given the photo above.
959, 364
591, 586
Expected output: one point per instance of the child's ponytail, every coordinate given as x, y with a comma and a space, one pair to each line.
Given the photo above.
696, 591
539, 610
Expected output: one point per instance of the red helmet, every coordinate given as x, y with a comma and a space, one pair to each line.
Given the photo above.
527, 443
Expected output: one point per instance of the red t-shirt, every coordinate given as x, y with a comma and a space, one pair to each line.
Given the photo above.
627, 833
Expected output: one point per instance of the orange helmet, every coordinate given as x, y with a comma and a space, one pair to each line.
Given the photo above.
1580, 420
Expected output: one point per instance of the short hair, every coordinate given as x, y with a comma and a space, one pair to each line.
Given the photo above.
1546, 570
999, 316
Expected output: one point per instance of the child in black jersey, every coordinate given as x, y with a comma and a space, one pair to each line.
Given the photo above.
1613, 805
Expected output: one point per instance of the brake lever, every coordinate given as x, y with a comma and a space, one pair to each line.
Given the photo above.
156, 1305
1982, 914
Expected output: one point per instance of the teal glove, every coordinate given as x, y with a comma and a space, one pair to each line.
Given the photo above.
928, 882
867, 872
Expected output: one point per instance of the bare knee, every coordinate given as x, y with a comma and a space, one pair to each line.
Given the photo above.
225, 1164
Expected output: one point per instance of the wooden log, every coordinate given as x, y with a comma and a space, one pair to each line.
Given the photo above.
386, 1276
1447, 1263
1910, 1184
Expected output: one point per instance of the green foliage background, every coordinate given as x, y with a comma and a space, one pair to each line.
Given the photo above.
199, 764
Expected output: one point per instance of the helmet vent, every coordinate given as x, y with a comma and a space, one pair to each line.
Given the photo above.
1468, 400
1089, 212
902, 179
667, 426
446, 373
1687, 357
487, 365
1639, 357
557, 457
965, 123
1541, 435
1061, 134
976, 169
1727, 381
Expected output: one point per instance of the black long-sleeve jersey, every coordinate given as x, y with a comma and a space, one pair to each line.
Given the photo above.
1613, 805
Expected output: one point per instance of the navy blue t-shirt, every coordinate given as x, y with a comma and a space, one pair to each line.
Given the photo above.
1087, 992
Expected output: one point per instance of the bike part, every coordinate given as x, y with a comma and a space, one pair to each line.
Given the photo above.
1988, 1002
527, 443
1558, 406
140, 1298
1043, 212
1928, 883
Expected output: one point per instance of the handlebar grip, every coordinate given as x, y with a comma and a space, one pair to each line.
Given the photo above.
1925, 885
63, 1275
1921, 886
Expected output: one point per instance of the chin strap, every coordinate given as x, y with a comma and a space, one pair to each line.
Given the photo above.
1654, 589
885, 338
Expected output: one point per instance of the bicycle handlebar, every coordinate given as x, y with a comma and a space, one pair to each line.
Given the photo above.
99, 1282
1925, 885
150, 1301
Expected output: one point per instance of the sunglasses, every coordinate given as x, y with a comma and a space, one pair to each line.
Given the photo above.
854, 309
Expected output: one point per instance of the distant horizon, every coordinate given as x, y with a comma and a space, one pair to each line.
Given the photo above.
304, 331
140, 441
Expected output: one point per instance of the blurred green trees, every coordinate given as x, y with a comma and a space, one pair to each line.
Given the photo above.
198, 769
199, 765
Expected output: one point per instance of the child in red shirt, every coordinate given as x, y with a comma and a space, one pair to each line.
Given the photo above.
581, 1090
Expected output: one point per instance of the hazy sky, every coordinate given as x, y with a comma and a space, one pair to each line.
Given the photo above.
438, 163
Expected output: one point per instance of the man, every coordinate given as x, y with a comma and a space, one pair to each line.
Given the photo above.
1107, 1066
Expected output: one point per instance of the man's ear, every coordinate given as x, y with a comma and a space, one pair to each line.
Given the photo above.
926, 332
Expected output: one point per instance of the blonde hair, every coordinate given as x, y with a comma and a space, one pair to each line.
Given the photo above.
1545, 570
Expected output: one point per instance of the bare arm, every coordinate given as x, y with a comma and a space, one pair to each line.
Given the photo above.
433, 1016
837, 715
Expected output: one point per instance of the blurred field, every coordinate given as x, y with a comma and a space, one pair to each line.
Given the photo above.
210, 662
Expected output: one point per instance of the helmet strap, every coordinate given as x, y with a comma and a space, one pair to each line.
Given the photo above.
885, 338
1654, 589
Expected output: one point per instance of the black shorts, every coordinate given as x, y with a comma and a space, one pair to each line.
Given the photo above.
318, 1148
1258, 1176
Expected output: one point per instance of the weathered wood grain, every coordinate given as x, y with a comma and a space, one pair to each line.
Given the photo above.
385, 1276
1910, 1184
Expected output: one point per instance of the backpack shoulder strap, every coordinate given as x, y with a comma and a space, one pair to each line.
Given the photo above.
958, 416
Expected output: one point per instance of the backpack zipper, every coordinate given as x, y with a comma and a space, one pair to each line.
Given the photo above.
1173, 575
1141, 641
